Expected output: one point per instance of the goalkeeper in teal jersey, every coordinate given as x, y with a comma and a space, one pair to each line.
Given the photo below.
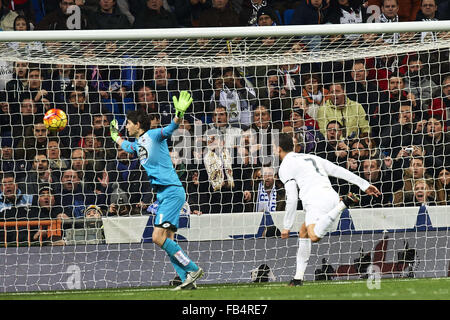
153, 153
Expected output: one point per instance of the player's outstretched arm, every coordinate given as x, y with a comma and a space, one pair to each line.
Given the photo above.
373, 191
181, 104
114, 130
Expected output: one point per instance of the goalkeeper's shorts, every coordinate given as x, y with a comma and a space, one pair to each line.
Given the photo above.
171, 199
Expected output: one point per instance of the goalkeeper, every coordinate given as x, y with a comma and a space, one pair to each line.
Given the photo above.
153, 153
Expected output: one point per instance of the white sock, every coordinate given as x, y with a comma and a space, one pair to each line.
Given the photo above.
325, 222
303, 253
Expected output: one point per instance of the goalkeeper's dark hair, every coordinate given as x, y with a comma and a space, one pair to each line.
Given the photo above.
141, 117
285, 142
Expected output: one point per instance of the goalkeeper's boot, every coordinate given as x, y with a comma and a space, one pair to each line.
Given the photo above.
350, 200
190, 286
191, 278
295, 283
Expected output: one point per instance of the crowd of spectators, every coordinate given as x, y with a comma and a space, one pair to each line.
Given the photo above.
383, 118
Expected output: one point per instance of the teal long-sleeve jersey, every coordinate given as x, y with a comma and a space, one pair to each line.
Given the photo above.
153, 153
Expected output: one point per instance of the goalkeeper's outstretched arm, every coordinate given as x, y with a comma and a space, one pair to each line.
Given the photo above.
181, 104
114, 132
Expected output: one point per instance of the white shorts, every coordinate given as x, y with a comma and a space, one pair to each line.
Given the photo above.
315, 208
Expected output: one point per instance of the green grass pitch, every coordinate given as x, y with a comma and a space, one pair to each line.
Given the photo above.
388, 289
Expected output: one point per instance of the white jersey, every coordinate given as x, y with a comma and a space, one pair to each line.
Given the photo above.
310, 174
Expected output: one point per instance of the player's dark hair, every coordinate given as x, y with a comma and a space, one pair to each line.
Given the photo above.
141, 117
285, 142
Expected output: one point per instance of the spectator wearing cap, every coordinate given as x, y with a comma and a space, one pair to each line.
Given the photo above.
249, 11
93, 215
93, 211
266, 16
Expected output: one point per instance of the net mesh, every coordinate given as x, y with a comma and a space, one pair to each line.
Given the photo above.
75, 188
236, 51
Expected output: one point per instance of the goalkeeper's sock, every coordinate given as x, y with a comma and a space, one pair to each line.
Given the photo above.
325, 222
178, 268
303, 253
174, 250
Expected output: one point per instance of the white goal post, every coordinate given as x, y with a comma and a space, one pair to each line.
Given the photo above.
231, 221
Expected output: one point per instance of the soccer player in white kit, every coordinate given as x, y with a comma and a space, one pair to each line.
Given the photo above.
306, 176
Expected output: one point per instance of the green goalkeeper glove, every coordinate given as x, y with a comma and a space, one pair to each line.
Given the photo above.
114, 129
182, 103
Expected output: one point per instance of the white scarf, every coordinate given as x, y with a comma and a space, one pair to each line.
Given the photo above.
289, 83
238, 110
428, 36
351, 17
264, 202
393, 38
216, 165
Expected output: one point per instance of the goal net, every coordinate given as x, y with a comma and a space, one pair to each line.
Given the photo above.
77, 212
